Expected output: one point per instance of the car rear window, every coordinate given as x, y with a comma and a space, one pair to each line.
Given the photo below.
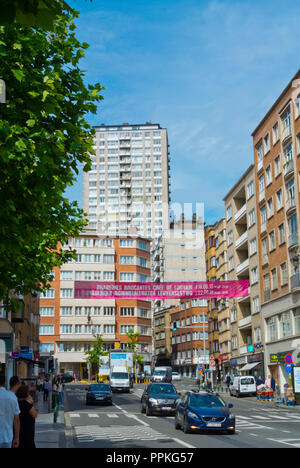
206, 401
100, 388
157, 389
247, 381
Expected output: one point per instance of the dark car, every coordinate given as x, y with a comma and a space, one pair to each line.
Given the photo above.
99, 393
64, 378
204, 411
159, 399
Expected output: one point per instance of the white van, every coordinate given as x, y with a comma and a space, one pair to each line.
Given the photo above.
120, 379
162, 374
243, 385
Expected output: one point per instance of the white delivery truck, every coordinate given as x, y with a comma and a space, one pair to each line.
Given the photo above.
120, 379
121, 370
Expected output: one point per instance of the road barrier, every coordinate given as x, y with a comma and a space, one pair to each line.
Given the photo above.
267, 395
139, 381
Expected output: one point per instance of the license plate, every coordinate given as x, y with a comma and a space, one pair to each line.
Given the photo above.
214, 425
99, 398
166, 408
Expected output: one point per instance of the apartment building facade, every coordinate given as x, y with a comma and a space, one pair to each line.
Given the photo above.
179, 255
19, 337
276, 143
221, 345
162, 335
68, 324
190, 340
127, 188
247, 349
211, 272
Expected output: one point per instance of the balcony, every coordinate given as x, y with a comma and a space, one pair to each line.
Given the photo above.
243, 350
240, 214
263, 228
295, 281
293, 239
242, 240
290, 204
286, 133
288, 168
260, 165
245, 322
242, 267
262, 195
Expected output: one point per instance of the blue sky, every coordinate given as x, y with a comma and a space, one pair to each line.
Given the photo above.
208, 71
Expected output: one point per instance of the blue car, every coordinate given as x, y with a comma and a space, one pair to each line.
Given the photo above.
204, 412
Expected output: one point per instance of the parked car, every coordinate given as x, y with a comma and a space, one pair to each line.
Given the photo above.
99, 393
176, 376
159, 399
204, 411
243, 385
65, 378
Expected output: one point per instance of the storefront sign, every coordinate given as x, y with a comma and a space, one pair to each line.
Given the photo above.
224, 357
279, 357
250, 349
168, 290
256, 358
296, 375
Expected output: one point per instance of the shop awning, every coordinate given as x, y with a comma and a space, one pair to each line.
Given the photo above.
250, 366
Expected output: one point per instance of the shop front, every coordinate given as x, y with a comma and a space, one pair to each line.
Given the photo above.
255, 366
277, 368
224, 365
236, 364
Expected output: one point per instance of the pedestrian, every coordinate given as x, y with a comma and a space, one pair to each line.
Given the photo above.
46, 389
28, 416
268, 382
9, 417
14, 384
228, 379
32, 391
273, 384
259, 381
60, 390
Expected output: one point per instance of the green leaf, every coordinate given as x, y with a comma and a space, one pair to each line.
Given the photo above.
18, 74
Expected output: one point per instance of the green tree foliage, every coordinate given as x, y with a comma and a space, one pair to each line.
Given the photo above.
132, 345
93, 355
44, 137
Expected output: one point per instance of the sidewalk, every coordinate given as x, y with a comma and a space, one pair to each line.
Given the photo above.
48, 434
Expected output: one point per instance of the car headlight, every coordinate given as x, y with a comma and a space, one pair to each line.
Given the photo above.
153, 400
192, 415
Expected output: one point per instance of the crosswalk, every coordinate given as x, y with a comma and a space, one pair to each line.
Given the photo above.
89, 434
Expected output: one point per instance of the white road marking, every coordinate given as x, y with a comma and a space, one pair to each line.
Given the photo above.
93, 415
182, 443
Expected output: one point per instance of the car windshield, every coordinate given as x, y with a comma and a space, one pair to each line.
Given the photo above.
159, 372
157, 389
119, 375
206, 401
99, 388
247, 381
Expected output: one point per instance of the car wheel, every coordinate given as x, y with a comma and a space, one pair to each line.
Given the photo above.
186, 428
177, 425
143, 411
148, 411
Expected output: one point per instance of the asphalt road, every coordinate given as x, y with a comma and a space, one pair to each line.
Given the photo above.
123, 426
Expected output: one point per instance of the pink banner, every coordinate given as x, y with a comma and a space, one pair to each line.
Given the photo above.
168, 290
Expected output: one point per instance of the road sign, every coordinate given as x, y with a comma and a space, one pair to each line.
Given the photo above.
289, 359
288, 368
212, 363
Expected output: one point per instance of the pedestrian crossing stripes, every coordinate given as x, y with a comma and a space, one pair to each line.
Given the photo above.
291, 442
88, 434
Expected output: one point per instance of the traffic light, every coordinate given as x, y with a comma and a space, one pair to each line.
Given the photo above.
51, 365
174, 327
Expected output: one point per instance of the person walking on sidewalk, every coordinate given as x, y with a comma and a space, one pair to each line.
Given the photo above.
28, 416
9, 417
60, 390
46, 389
228, 380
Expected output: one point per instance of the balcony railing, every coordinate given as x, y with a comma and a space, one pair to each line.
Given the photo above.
295, 281
288, 167
239, 214
245, 322
242, 266
242, 239
293, 239
286, 133
290, 203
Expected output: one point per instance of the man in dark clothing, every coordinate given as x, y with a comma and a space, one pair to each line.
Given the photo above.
273, 384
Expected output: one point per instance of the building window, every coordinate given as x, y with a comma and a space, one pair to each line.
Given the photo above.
265, 251
46, 330
267, 143
253, 246
126, 260
250, 189
65, 348
48, 294
274, 278
126, 329
108, 276
285, 324
279, 199
109, 311
281, 232
251, 218
109, 329
234, 342
66, 275
47, 311
275, 133
297, 321
66, 329
126, 276
277, 164
127, 311
272, 242
272, 328
64, 311
256, 305
66, 293
229, 212
283, 274
268, 175
254, 275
